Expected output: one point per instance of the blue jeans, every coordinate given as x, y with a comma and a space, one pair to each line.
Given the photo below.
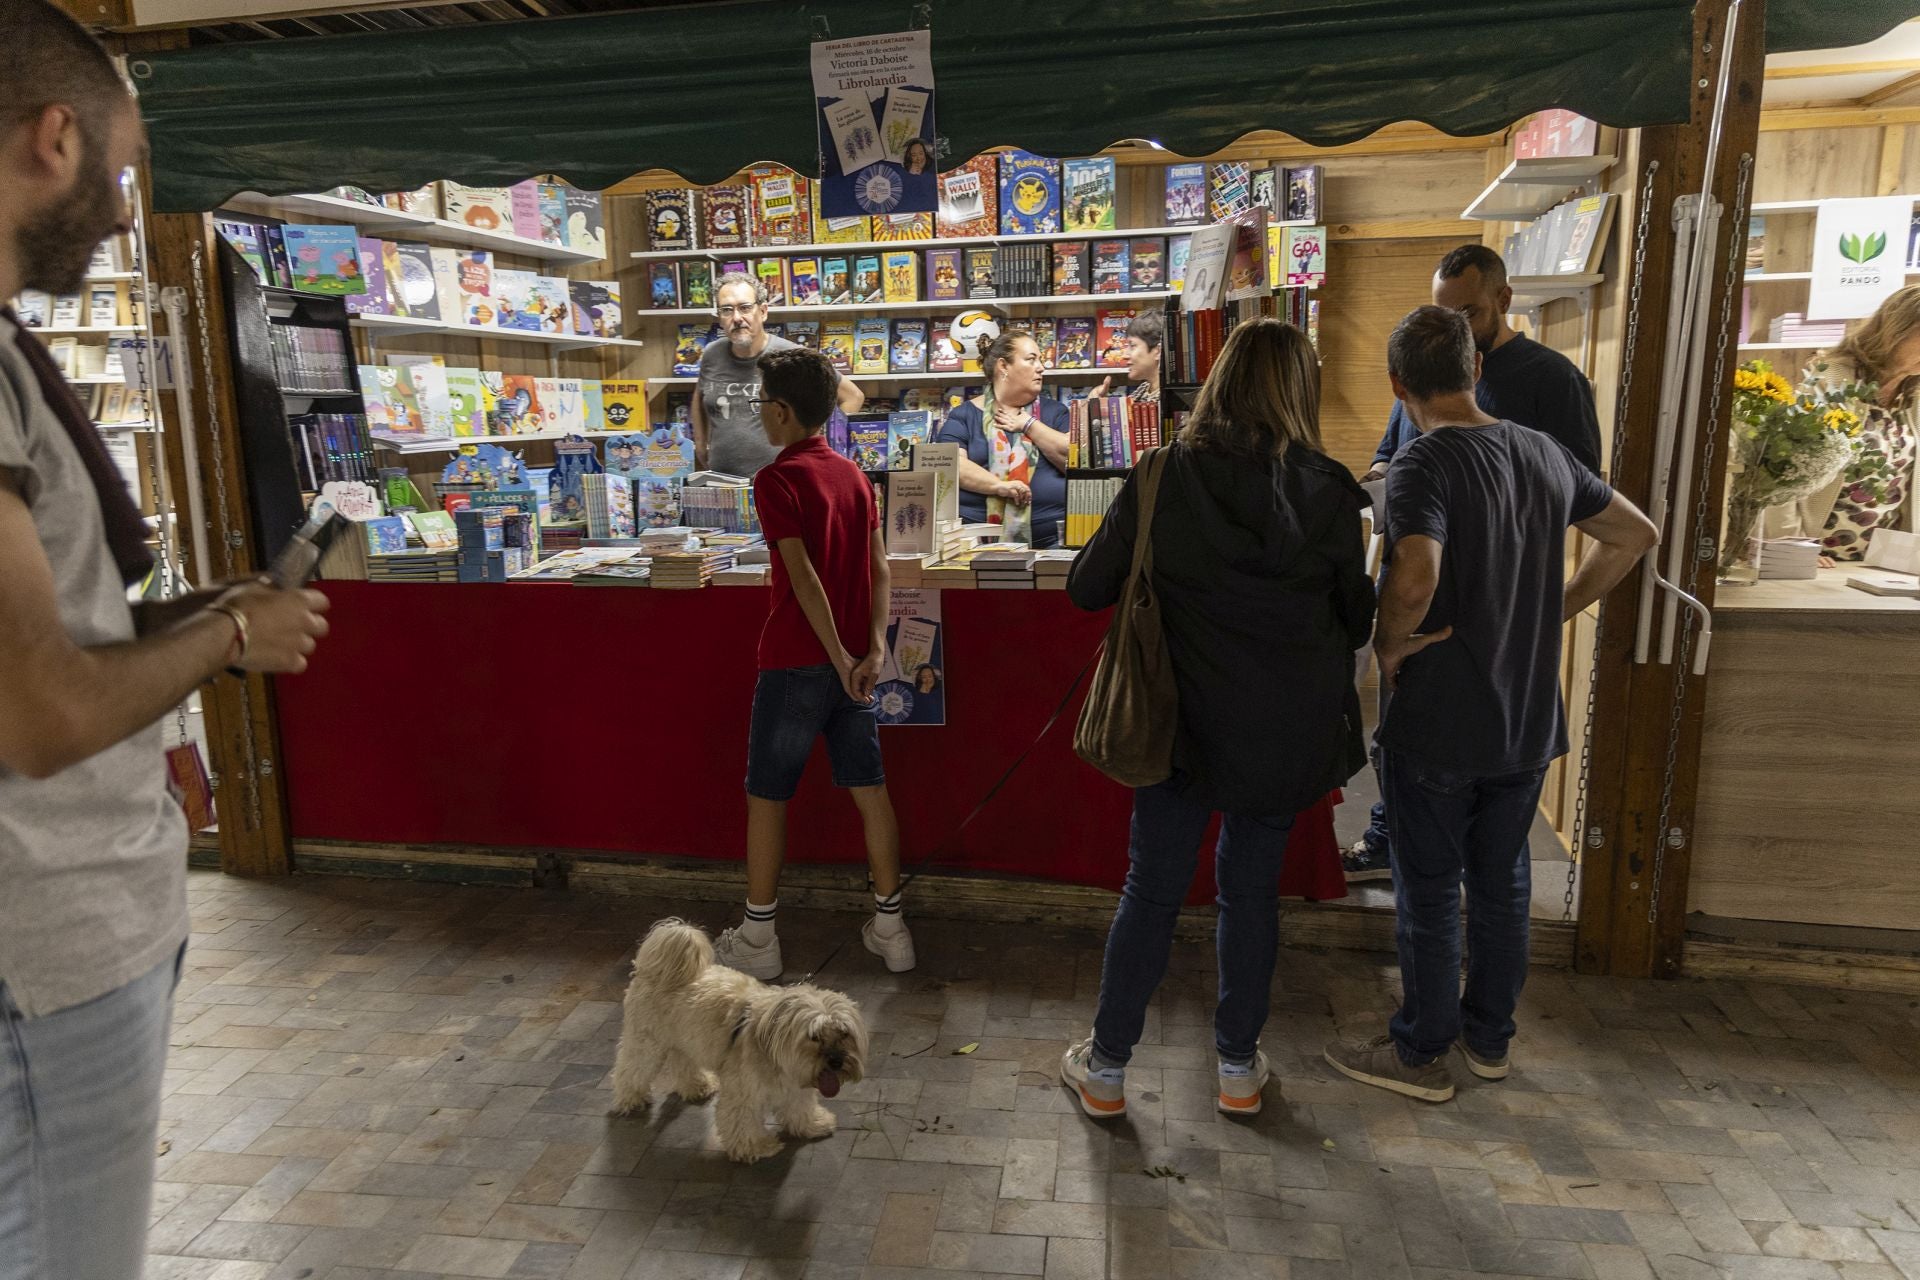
792, 706
1163, 851
1449, 827
79, 1113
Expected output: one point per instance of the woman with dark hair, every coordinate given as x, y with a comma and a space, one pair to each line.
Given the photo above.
1013, 446
1145, 332
1260, 573
916, 158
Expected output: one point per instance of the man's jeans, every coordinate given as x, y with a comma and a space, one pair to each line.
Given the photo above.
1449, 827
1163, 849
79, 1113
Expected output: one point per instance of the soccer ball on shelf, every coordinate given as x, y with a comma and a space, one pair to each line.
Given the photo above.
973, 331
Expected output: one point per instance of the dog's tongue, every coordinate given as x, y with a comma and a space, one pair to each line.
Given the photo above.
828, 1083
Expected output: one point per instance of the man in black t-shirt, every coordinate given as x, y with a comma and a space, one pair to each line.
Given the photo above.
1468, 640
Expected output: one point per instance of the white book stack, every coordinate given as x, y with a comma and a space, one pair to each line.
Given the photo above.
1792, 326
1789, 559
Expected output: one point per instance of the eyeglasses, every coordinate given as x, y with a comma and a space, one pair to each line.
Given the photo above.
759, 403
729, 312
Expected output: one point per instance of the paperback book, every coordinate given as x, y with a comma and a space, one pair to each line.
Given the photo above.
1147, 269
1076, 342
868, 438
900, 276
1229, 192
867, 284
1087, 194
903, 226
1029, 194
804, 282
870, 341
516, 300
1072, 267
324, 259
1186, 203
482, 208
943, 275
696, 282
690, 342
586, 224
836, 343
624, 404
1111, 337
663, 286
596, 308
1110, 266
909, 354
906, 430
969, 199
836, 282
670, 223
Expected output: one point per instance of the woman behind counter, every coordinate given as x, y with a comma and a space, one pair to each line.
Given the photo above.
1013, 446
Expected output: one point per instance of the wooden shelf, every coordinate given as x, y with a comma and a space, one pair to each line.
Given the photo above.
444, 444
895, 246
98, 380
946, 379
402, 325
1784, 346
1543, 289
1528, 188
102, 276
960, 304
375, 219
1765, 207
86, 328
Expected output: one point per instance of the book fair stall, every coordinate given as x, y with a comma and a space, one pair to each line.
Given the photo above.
472, 322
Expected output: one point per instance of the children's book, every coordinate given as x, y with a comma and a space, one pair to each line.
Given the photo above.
663, 286
593, 403
1087, 194
696, 283
870, 339
1186, 195
1147, 267
970, 199
554, 304
553, 213
373, 268
249, 241
803, 284
277, 260
467, 399
906, 429
836, 343
399, 399
724, 212
1029, 193
909, 354
386, 535
836, 283
1247, 268
523, 201
943, 275
624, 404
900, 276
1229, 190
562, 404
324, 259
772, 274
867, 441
573, 460
1110, 337
517, 406
1262, 189
431, 394
1076, 342
804, 333
903, 226
586, 224
983, 273
1046, 336
596, 308
1301, 199
436, 530
1178, 248
446, 285
867, 284
691, 342
515, 300
782, 209
670, 219
1307, 256
1072, 270
1110, 266
943, 354
474, 273
665, 463
482, 208
627, 454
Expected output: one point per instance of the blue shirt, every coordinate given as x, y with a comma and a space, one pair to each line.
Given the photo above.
964, 427
1527, 383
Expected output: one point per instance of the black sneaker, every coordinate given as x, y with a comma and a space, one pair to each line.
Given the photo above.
1362, 863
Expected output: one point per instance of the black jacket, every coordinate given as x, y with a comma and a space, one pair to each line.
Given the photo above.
1264, 596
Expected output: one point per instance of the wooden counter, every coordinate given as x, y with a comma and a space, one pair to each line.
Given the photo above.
1808, 808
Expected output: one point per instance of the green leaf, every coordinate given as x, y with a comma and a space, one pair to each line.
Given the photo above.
1876, 245
1850, 247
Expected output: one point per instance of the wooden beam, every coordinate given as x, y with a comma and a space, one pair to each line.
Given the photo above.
1893, 155
1885, 92
1894, 67
97, 15
164, 15
1836, 118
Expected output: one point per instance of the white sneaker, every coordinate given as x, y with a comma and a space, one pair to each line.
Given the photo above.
1240, 1093
897, 950
1101, 1094
733, 950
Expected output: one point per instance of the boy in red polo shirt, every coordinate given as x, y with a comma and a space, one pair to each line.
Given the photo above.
819, 658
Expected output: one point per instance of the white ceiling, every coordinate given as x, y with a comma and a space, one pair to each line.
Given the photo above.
1861, 70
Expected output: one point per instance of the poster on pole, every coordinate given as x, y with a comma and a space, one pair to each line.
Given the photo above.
913, 675
875, 108
1858, 258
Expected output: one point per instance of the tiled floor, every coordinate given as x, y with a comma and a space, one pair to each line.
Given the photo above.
375, 1079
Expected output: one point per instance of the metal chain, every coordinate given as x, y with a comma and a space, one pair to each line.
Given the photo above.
1667, 837
1595, 839
230, 535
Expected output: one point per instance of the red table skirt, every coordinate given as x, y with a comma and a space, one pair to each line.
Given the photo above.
615, 720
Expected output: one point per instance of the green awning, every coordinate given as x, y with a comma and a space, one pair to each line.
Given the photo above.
703, 90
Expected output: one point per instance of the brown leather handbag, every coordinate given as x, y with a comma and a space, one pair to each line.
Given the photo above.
1127, 724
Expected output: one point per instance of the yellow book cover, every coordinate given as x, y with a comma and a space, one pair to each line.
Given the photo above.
900, 276
625, 405
838, 230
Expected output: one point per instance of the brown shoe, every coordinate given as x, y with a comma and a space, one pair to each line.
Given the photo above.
1484, 1067
1377, 1062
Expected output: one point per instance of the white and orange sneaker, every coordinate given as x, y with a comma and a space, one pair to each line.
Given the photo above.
1102, 1092
1240, 1087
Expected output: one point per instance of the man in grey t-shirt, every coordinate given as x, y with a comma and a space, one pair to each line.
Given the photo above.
93, 912
726, 423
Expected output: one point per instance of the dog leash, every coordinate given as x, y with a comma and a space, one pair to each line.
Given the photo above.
933, 854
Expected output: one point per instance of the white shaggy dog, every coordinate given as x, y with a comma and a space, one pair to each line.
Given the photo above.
694, 1027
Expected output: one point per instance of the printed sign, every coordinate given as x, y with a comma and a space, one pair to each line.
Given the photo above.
1857, 255
875, 109
913, 677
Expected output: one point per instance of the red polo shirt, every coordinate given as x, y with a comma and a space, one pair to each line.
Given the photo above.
812, 493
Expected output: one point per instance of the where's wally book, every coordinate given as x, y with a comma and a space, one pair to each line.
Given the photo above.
670, 223
1029, 194
782, 209
970, 199
1186, 195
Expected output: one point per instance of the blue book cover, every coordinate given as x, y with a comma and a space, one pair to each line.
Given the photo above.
867, 441
1186, 195
909, 354
324, 259
905, 429
566, 495
1029, 193
386, 535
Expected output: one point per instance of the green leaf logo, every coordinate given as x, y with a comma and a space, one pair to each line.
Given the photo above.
1854, 249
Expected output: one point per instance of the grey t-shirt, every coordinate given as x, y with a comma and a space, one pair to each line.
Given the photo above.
92, 860
735, 442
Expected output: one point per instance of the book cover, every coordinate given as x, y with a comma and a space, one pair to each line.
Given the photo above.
836, 282
909, 354
1307, 256
103, 306
1186, 204
523, 204
1087, 194
546, 307
1588, 225
1029, 193
691, 341
436, 529
624, 404
867, 283
1228, 190
466, 402
1147, 271
35, 309
324, 259
1301, 201
586, 222
867, 439
277, 262
891, 227
431, 394
1756, 262
696, 281
906, 429
446, 285
553, 212
835, 230
1072, 267
593, 402
670, 219
1046, 336
517, 408
804, 333
473, 274
804, 282
249, 241
1206, 274
870, 341
782, 209
724, 213
415, 289
573, 461
386, 535
943, 354
983, 266
596, 308
772, 274
1247, 269
1110, 336
373, 268
1111, 260
836, 343
663, 286
482, 208
943, 275
969, 201
1076, 342
1277, 253
942, 462
910, 513
1263, 186
66, 311
562, 404
900, 276
1178, 247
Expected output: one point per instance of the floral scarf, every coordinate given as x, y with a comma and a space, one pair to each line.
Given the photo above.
1011, 455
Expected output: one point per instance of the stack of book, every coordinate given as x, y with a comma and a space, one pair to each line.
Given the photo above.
953, 572
956, 540
718, 506
1882, 582
1788, 559
570, 564
676, 538
482, 552
744, 575
688, 570
1088, 498
1004, 568
1051, 567
562, 537
1792, 326
414, 566
632, 571
905, 572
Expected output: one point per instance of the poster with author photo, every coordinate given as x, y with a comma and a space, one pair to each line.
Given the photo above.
875, 108
912, 689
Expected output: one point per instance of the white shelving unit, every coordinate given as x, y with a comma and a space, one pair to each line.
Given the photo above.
1528, 188
952, 242
58, 329
682, 380
957, 304
380, 220
1782, 346
1765, 207
396, 326
443, 444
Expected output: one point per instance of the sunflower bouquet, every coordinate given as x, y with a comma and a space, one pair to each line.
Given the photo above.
1788, 443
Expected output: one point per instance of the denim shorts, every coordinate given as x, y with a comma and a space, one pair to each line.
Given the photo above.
791, 707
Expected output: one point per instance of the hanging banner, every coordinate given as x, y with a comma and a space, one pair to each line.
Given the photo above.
913, 676
875, 96
1857, 255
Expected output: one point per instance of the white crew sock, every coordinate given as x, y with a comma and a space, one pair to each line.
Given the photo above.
757, 929
887, 920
